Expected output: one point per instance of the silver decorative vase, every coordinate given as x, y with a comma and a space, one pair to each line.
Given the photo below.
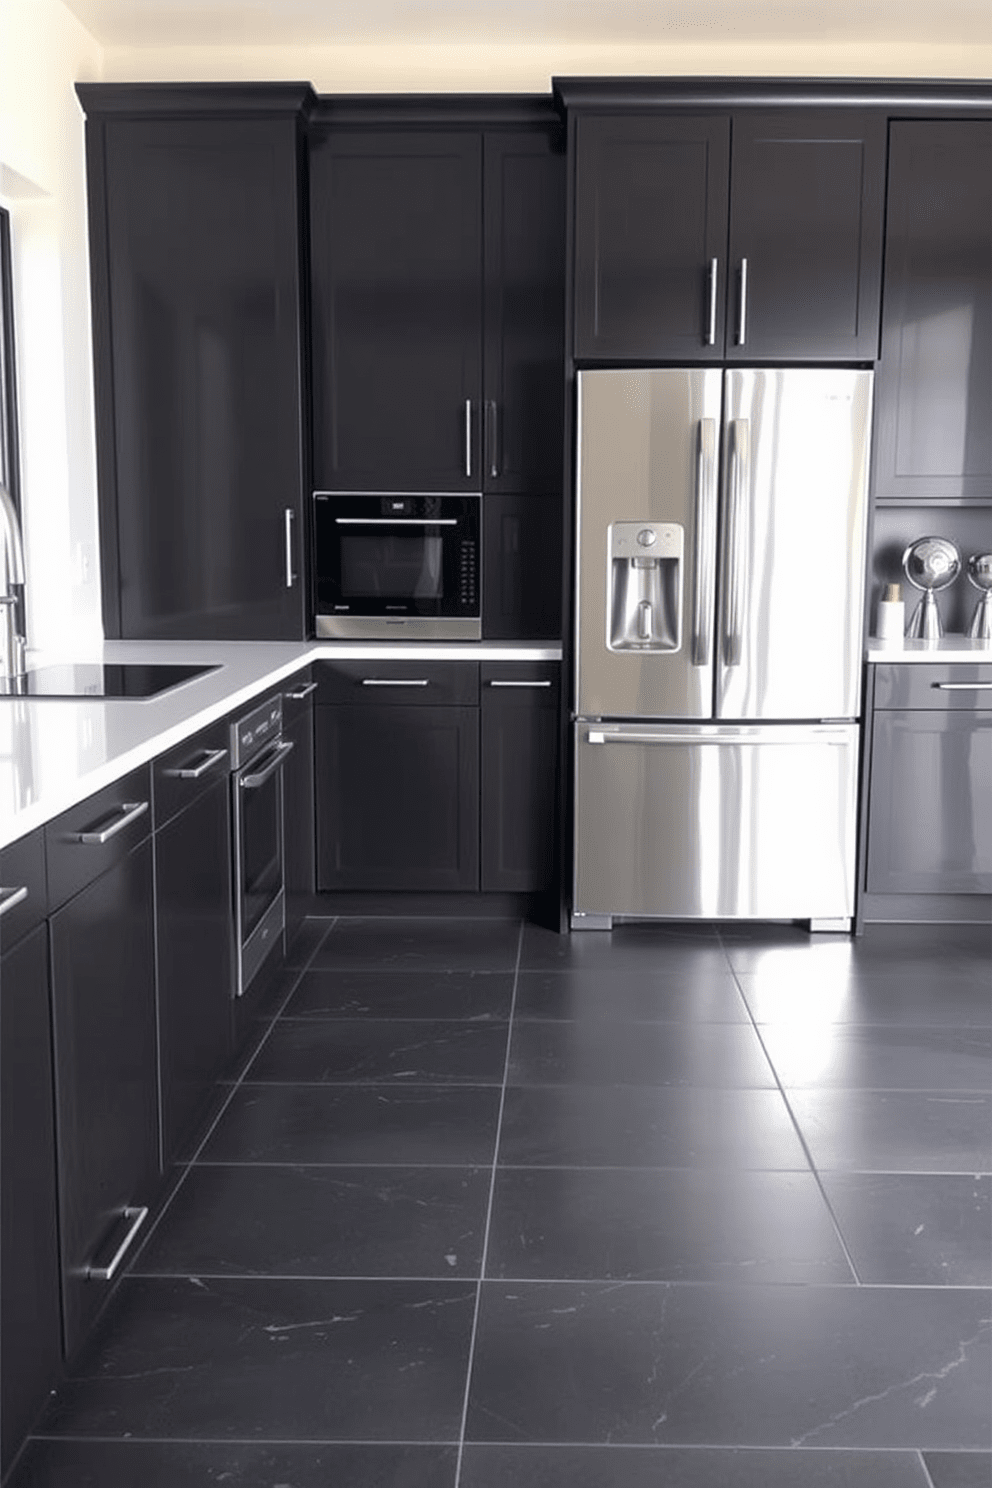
930, 564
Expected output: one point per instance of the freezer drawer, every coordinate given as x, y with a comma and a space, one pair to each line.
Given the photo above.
715, 821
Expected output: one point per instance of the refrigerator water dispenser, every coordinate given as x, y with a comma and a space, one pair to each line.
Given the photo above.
645, 590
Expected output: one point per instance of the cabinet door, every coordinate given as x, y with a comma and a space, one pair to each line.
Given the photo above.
521, 568
930, 806
933, 389
398, 798
30, 1352
103, 992
195, 945
396, 264
519, 775
650, 217
524, 218
806, 235
299, 821
204, 304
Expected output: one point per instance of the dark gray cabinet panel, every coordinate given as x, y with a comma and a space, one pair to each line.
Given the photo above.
930, 804
398, 797
22, 866
521, 575
519, 775
299, 802
195, 945
934, 384
103, 996
30, 1320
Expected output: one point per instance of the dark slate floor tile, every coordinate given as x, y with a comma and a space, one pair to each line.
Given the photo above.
959, 1469
637, 1127
362, 1050
695, 995
307, 939
917, 1229
732, 1366
864, 1056
472, 995
322, 1221
664, 949
598, 1053
57, 1464
279, 1360
896, 1131
667, 1225
942, 950
686, 1467
368, 1124
420, 945
908, 998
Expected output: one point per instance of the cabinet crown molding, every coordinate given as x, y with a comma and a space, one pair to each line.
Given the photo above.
194, 100
895, 95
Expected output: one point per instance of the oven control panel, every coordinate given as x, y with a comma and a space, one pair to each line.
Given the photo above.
256, 729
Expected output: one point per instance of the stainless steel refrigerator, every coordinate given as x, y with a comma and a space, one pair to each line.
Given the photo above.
720, 569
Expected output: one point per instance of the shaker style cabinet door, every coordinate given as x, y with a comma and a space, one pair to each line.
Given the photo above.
519, 775
651, 237
933, 390
197, 307
806, 202
396, 274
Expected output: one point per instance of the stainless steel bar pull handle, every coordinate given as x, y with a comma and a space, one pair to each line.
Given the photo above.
492, 436
396, 521
705, 541
269, 768
129, 812
10, 897
395, 682
193, 772
711, 323
290, 575
742, 306
137, 1216
962, 686
736, 542
302, 692
543, 682
468, 437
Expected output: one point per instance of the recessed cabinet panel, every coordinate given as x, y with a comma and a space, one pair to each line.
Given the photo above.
650, 216
934, 384
521, 576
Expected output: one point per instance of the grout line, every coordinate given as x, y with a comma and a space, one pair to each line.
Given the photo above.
670, 1283
715, 1169
489, 1212
926, 1471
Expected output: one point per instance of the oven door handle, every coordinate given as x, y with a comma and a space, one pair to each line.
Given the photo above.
396, 521
269, 768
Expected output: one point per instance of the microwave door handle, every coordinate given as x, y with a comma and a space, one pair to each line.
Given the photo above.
705, 541
269, 768
396, 521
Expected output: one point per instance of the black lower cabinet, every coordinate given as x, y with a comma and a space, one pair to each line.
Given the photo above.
299, 804
30, 1324
103, 998
398, 794
195, 958
519, 776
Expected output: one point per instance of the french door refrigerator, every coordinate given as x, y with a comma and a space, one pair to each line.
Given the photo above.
720, 558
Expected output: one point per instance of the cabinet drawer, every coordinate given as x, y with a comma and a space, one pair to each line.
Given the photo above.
73, 863
520, 681
182, 775
413, 683
964, 685
299, 693
22, 866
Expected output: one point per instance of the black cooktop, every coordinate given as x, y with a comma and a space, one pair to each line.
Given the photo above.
84, 679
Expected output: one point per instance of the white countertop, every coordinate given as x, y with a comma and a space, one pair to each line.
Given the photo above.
950, 648
54, 752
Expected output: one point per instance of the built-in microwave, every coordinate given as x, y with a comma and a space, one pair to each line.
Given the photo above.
397, 566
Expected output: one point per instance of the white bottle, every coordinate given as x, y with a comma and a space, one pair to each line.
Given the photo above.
891, 622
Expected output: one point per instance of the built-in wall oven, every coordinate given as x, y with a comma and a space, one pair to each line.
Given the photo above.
257, 754
390, 565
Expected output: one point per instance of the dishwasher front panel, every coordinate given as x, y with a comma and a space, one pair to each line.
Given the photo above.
715, 821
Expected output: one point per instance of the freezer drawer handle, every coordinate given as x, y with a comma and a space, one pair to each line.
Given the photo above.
740, 467
10, 897
962, 686
780, 736
137, 1216
193, 772
705, 540
129, 812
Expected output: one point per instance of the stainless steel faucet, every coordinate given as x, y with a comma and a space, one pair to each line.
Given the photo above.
13, 643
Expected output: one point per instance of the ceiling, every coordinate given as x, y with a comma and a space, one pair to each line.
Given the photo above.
180, 23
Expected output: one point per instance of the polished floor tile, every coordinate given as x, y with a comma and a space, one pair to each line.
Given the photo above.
367, 1124
664, 949
784, 1366
402, 994
917, 1229
941, 950
322, 1221
420, 945
279, 1360
305, 942
596, 1053
667, 1225
896, 1131
641, 1127
389, 1050
959, 1469
881, 1058
58, 1464
907, 999
674, 1467
694, 995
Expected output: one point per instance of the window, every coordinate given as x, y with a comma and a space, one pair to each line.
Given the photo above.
9, 463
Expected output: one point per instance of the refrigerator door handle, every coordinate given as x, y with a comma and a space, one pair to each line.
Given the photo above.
705, 541
734, 550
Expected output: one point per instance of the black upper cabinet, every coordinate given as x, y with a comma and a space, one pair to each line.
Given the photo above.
755, 237
195, 227
934, 384
650, 217
437, 263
